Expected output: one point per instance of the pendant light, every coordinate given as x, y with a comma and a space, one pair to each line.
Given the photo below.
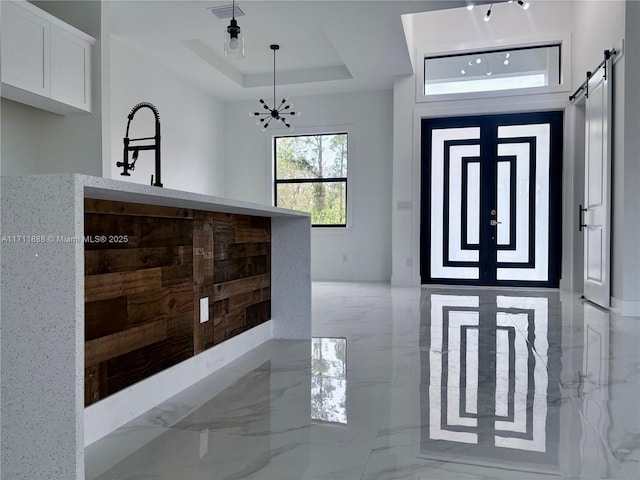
233, 38
281, 112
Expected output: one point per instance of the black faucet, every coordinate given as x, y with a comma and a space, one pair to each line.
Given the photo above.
126, 166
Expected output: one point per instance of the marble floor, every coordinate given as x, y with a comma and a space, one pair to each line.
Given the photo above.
407, 384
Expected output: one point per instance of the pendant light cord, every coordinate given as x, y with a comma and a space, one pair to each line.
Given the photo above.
274, 78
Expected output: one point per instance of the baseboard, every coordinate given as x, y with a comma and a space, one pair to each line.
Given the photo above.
397, 281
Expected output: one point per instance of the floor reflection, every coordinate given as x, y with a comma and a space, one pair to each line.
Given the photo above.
440, 383
486, 362
329, 380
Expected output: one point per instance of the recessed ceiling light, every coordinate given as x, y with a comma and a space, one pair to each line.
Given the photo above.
488, 73
470, 7
478, 60
507, 55
463, 71
506, 62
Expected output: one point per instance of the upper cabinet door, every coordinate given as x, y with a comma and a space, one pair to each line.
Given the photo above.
25, 50
70, 69
46, 63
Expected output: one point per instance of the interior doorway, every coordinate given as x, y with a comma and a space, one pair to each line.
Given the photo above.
491, 200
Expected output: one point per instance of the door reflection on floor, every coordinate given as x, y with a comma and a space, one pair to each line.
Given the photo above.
492, 369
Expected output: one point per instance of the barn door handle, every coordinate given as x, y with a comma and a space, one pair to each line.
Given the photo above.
581, 223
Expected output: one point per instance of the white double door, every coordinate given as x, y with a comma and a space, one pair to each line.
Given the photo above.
491, 200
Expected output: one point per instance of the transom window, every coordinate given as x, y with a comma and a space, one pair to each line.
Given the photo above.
311, 176
493, 70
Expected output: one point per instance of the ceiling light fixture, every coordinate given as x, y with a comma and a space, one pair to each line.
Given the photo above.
487, 17
233, 38
522, 3
279, 113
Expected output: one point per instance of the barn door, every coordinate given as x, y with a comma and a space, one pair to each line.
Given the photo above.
595, 214
491, 205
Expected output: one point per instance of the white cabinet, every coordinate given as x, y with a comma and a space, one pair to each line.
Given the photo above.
46, 63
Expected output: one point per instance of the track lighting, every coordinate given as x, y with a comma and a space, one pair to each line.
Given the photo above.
487, 17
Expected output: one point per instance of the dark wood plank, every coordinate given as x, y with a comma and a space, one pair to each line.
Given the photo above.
141, 232
112, 285
252, 235
104, 317
94, 383
176, 275
92, 205
224, 251
159, 304
135, 338
235, 287
236, 268
123, 260
243, 300
258, 313
125, 370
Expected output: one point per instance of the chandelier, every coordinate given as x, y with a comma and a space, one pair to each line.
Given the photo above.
282, 112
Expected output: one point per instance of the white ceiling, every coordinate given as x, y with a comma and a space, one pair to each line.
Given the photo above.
325, 46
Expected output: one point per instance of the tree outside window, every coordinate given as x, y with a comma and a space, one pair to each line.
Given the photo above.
311, 176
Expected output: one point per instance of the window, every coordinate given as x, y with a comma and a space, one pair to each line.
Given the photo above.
485, 71
511, 67
311, 176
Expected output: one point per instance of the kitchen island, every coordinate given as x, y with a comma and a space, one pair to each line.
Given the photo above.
44, 423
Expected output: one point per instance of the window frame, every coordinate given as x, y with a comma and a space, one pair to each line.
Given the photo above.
345, 180
564, 41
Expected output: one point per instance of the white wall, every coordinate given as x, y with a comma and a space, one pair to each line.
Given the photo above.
192, 124
36, 141
459, 29
361, 251
631, 137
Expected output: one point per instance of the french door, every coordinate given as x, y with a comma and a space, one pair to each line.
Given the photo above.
491, 200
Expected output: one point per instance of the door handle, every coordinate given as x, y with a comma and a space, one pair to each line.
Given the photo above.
493, 223
581, 223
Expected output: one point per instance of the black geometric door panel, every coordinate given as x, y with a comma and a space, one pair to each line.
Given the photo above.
491, 204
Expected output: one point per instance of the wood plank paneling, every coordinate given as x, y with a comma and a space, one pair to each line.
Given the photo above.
163, 303
125, 370
104, 317
203, 267
242, 274
139, 231
142, 296
110, 261
92, 205
112, 285
125, 341
237, 287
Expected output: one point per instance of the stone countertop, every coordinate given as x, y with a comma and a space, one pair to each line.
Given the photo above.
108, 189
